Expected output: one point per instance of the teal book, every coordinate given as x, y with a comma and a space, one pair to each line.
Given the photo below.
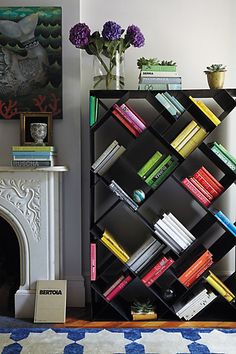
149, 164
150, 179
224, 158
93, 110
165, 103
225, 152
174, 101
164, 173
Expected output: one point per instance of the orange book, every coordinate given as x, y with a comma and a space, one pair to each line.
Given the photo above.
198, 273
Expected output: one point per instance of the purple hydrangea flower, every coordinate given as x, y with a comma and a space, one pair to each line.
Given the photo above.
79, 35
135, 36
111, 31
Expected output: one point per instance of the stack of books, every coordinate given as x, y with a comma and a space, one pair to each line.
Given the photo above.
157, 169
208, 113
116, 287
193, 306
188, 139
145, 253
173, 233
159, 77
225, 221
224, 155
196, 269
173, 106
131, 120
109, 241
157, 270
220, 287
204, 186
108, 157
121, 194
33, 156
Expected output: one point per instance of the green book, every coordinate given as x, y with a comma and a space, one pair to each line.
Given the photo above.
159, 68
223, 157
92, 110
150, 180
144, 171
164, 173
225, 152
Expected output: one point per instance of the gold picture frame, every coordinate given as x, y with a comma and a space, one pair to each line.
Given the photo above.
26, 118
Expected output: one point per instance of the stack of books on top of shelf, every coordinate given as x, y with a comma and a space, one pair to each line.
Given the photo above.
157, 270
109, 241
173, 106
157, 169
224, 155
196, 269
159, 77
33, 156
204, 186
144, 254
116, 287
220, 287
121, 194
193, 306
131, 120
225, 221
189, 138
206, 110
173, 233
107, 158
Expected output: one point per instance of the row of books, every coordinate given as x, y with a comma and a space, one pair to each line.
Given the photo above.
116, 287
225, 221
109, 241
33, 156
157, 169
107, 158
204, 186
173, 233
224, 155
121, 194
157, 270
173, 106
189, 138
196, 269
159, 77
131, 120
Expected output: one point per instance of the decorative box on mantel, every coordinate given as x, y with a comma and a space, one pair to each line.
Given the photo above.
30, 201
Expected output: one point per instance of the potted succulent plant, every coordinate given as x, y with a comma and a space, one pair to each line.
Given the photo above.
215, 75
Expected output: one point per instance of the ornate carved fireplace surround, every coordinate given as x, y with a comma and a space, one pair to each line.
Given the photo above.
30, 201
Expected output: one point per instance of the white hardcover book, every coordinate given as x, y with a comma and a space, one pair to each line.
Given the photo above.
191, 302
111, 160
172, 234
203, 303
178, 229
141, 250
150, 73
104, 154
167, 239
174, 229
181, 226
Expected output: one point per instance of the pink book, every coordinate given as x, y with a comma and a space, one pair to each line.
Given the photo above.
93, 261
196, 192
205, 184
125, 122
126, 117
133, 115
159, 272
118, 288
118, 281
212, 177
201, 188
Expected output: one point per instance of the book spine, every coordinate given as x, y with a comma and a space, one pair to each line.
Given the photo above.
114, 285
106, 234
175, 102
175, 229
115, 188
149, 164
203, 303
191, 302
128, 118
165, 103
196, 192
197, 176
152, 87
193, 143
182, 135
115, 154
225, 159
33, 148
167, 239
212, 178
172, 234
105, 160
114, 250
33, 153
125, 123
92, 110
208, 113
178, 112
187, 138
174, 86
133, 116
158, 273
163, 173
218, 287
146, 256
30, 163
201, 188
196, 275
151, 73
104, 154
149, 180
93, 261
144, 317
33, 158
161, 262
218, 281
168, 68
141, 250
226, 222
181, 226
161, 80
118, 288
225, 152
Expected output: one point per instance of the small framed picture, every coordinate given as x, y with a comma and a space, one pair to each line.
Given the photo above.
36, 128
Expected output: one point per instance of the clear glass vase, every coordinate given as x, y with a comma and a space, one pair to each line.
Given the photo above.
108, 73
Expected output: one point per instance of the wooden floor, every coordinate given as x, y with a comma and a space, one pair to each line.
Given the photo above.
78, 318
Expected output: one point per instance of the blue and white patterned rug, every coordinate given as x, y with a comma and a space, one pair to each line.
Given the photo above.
117, 341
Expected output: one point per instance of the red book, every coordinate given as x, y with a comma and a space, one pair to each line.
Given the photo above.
117, 282
196, 192
93, 261
196, 275
201, 188
126, 123
155, 276
118, 288
208, 176
161, 263
126, 117
205, 184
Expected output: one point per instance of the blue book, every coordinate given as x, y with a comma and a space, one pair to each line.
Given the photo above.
167, 105
175, 102
33, 153
226, 222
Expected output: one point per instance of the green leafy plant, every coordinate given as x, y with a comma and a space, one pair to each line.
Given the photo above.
142, 306
153, 61
214, 68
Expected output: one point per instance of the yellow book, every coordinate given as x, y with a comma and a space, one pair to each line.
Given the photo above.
114, 250
193, 143
219, 288
221, 284
111, 239
182, 135
206, 111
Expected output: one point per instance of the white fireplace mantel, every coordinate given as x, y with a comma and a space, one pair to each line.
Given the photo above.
31, 201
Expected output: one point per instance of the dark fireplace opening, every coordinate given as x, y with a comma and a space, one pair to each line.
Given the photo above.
9, 267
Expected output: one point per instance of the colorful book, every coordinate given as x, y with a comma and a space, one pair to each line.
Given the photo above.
144, 171
33, 148
174, 101
168, 68
143, 316
151, 178
198, 273
114, 285
129, 112
159, 87
127, 124
225, 152
212, 178
206, 111
220, 287
33, 158
93, 262
182, 135
226, 222
206, 184
187, 138
151, 73
159, 272
130, 120
178, 112
223, 157
201, 188
163, 173
193, 143
165, 103
118, 288
92, 110
107, 235
161, 80
196, 192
